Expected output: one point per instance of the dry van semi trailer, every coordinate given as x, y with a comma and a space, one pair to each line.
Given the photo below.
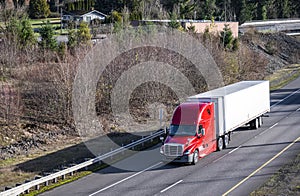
204, 122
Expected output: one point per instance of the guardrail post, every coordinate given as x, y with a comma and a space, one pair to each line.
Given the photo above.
86, 167
132, 146
111, 155
7, 188
46, 180
37, 187
151, 137
27, 191
143, 142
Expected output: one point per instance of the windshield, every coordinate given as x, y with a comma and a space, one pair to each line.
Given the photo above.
184, 130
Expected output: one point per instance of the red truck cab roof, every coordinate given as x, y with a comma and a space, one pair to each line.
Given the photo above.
191, 113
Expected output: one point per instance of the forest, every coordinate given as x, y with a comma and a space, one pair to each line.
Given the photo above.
230, 10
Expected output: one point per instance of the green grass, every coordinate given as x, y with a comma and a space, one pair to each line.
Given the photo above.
285, 182
93, 168
41, 21
60, 182
284, 76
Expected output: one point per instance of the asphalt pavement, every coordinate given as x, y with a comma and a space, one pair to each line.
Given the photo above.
251, 158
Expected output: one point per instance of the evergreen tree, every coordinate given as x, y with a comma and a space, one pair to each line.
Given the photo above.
261, 10
107, 6
174, 24
295, 8
83, 34
47, 35
272, 9
186, 9
245, 14
26, 34
72, 39
284, 9
21, 32
38, 9
227, 37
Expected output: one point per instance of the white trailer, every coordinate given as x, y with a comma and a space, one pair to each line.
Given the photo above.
237, 105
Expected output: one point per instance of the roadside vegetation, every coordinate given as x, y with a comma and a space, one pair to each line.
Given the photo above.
285, 182
37, 131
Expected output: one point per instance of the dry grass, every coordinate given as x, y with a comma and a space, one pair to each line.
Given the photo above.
21, 168
285, 182
282, 77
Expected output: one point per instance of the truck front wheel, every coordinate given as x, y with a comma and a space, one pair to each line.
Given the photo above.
220, 144
195, 157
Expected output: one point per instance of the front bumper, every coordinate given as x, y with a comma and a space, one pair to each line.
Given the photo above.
179, 159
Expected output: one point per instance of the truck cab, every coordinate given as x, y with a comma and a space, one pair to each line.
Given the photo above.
192, 133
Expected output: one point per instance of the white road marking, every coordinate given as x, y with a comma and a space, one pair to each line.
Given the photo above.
235, 149
241, 145
129, 177
285, 98
261, 167
171, 186
273, 126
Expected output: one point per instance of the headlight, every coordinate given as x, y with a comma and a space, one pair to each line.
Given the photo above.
162, 149
187, 152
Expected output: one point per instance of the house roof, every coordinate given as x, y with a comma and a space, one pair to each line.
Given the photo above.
95, 12
82, 13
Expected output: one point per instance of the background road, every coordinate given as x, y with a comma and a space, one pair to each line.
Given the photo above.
237, 170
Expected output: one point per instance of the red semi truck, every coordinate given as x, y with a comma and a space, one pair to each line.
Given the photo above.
204, 122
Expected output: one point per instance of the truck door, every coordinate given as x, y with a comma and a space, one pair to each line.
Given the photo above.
203, 142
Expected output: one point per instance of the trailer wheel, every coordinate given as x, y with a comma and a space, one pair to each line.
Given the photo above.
220, 144
226, 141
195, 157
260, 121
254, 124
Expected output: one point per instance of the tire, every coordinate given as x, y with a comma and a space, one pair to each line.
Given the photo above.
254, 124
260, 121
220, 144
195, 157
226, 141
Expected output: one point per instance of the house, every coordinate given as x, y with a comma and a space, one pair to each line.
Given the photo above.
86, 17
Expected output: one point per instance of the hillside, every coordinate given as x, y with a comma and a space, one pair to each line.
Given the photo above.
33, 121
264, 54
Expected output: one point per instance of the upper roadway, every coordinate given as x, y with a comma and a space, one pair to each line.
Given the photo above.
251, 158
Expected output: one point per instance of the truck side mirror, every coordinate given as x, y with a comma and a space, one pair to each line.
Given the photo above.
161, 139
201, 131
167, 131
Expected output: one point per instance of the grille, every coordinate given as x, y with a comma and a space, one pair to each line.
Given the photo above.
173, 149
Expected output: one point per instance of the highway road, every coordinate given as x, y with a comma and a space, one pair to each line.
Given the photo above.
251, 158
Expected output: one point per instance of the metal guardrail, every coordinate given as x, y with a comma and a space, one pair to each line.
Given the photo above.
24, 188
